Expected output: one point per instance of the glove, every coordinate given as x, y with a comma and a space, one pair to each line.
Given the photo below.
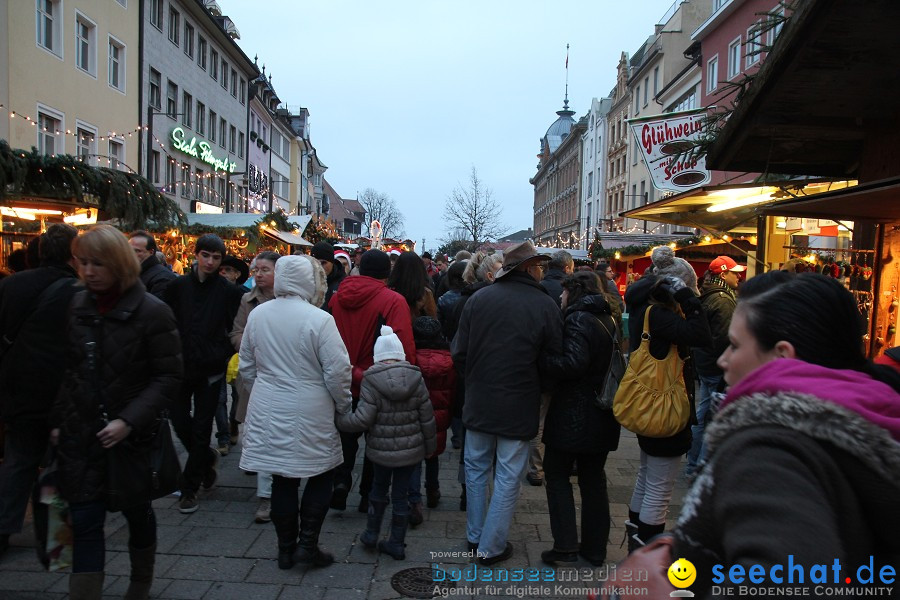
671, 284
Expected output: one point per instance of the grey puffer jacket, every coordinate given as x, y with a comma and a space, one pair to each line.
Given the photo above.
394, 406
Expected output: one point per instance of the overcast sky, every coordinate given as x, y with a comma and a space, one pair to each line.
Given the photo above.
406, 96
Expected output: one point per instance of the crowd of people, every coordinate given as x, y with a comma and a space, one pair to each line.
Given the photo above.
791, 440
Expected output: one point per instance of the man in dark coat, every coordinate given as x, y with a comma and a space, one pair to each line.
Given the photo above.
154, 275
33, 309
499, 358
334, 270
205, 304
718, 297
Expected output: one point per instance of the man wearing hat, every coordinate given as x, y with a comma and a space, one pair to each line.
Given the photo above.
234, 270
360, 307
718, 297
334, 270
504, 330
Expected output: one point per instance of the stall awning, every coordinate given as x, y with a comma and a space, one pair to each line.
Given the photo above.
242, 220
878, 201
286, 237
728, 208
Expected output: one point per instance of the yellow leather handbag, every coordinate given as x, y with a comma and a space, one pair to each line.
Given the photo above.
652, 400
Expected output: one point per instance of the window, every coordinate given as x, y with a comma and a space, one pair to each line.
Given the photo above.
185, 180
156, 13
712, 74
717, 4
655, 81
224, 74
222, 127
734, 58
116, 154
116, 67
241, 144
243, 90
221, 197
201, 52
48, 31
198, 191
174, 25
124, 3
49, 126
778, 16
154, 166
232, 139
171, 180
172, 100
634, 154
201, 118
590, 184
646, 89
599, 182
754, 47
155, 89
637, 100
188, 39
85, 144
187, 109
214, 64
212, 125
234, 83
85, 44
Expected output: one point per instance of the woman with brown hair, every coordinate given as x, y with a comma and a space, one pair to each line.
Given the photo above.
123, 368
409, 279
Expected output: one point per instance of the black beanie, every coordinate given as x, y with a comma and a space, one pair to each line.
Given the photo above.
375, 263
323, 251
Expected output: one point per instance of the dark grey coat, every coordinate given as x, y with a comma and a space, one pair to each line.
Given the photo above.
394, 406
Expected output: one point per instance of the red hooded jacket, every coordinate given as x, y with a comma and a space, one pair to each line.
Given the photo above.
440, 380
360, 306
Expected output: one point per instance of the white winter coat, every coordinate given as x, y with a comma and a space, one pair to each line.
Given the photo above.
293, 356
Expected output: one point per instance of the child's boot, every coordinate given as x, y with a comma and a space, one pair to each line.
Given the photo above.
369, 537
394, 545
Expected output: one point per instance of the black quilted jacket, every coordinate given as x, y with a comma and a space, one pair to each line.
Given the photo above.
574, 423
139, 371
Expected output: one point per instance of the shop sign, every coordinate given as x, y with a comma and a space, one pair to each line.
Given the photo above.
666, 143
201, 150
202, 208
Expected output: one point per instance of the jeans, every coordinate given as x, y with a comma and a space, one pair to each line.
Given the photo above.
316, 493
535, 462
195, 430
397, 479
264, 485
488, 525
432, 470
88, 541
224, 416
709, 384
343, 474
561, 502
653, 488
24, 449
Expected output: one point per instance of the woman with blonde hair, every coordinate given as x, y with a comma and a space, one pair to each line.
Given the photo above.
124, 366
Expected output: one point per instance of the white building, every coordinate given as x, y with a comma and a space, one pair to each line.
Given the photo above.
593, 171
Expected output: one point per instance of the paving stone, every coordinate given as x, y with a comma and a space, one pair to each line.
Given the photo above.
210, 568
243, 591
345, 576
186, 589
26, 581
215, 541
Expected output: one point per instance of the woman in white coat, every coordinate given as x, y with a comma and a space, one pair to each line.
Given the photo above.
297, 364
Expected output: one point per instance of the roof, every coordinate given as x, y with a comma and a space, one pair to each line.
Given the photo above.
338, 210
517, 236
560, 128
830, 84
241, 220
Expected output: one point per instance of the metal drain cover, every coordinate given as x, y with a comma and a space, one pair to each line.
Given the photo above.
417, 582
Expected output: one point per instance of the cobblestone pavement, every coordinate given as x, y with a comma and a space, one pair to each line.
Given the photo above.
219, 552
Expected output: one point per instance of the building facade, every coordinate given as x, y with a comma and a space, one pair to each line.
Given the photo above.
617, 148
69, 79
194, 103
593, 171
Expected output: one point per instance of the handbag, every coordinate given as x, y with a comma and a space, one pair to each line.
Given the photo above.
651, 400
142, 470
603, 398
52, 527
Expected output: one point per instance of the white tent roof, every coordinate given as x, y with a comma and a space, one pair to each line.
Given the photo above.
241, 220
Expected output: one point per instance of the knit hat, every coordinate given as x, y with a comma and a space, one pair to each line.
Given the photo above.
666, 263
323, 251
387, 345
375, 263
426, 329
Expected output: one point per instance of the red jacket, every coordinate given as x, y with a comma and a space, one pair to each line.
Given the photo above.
360, 306
440, 380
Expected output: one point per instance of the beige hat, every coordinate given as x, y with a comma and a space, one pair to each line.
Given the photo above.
518, 254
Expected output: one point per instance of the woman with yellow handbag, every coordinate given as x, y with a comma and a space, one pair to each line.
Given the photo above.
653, 400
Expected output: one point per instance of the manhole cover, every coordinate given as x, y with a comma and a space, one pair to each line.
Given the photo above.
418, 582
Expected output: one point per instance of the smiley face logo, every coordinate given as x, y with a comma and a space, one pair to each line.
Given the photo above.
682, 573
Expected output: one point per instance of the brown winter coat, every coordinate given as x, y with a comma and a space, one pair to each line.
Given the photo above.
139, 372
395, 408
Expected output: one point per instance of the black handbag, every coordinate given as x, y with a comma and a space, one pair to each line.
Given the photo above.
165, 468
142, 470
603, 398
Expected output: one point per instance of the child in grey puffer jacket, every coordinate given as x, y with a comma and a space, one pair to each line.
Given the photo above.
395, 408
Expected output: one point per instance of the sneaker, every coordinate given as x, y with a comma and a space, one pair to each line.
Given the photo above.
433, 497
554, 557
264, 512
188, 503
223, 449
490, 560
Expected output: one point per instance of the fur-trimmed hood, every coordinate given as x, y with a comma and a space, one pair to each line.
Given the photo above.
301, 276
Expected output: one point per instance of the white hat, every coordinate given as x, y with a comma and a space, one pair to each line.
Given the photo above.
388, 346
394, 252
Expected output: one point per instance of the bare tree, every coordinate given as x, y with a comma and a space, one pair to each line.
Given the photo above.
382, 208
473, 210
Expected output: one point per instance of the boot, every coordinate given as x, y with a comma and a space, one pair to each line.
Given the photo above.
85, 586
142, 561
370, 536
286, 529
308, 551
647, 532
631, 529
394, 545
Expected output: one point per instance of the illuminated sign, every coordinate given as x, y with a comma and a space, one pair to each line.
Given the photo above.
199, 150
